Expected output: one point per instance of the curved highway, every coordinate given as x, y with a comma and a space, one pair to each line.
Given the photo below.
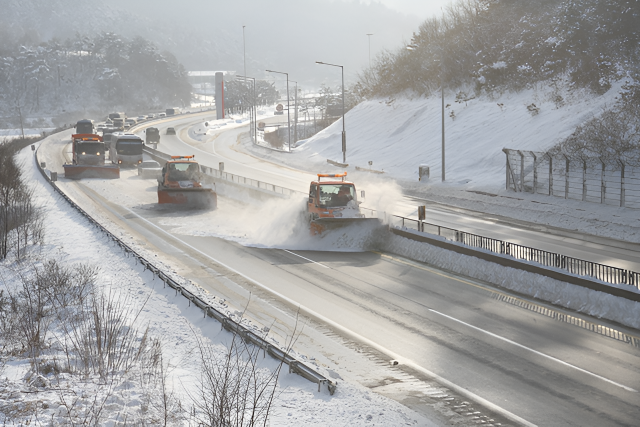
528, 363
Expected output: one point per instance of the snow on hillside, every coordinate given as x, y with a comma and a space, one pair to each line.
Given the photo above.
400, 134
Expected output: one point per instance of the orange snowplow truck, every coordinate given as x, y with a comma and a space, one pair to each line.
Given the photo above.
332, 203
88, 155
180, 184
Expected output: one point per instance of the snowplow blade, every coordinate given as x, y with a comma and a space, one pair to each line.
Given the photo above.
320, 225
203, 198
91, 171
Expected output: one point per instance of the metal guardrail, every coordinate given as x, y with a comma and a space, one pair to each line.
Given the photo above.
590, 179
602, 272
227, 322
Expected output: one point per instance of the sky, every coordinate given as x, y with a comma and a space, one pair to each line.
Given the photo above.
421, 8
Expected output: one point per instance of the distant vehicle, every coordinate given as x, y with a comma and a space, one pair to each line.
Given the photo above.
150, 169
118, 123
141, 118
152, 136
84, 126
172, 111
131, 121
162, 115
151, 116
117, 116
127, 126
171, 131
125, 148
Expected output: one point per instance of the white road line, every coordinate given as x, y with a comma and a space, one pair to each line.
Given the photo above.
310, 260
458, 389
536, 352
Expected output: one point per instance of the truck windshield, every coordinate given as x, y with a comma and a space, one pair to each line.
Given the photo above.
336, 195
90, 147
129, 147
86, 127
183, 171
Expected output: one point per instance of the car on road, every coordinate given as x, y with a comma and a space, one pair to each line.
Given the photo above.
171, 131
149, 169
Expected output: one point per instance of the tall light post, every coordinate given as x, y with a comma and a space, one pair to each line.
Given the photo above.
412, 47
288, 112
442, 98
295, 114
344, 133
244, 52
369, 35
253, 113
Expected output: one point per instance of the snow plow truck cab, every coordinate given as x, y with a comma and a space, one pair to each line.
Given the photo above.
180, 184
88, 158
332, 203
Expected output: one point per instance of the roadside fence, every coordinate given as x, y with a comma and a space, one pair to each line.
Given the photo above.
587, 179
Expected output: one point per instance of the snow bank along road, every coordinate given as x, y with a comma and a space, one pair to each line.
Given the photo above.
525, 365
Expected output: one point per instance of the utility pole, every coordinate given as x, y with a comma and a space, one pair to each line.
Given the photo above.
344, 133
288, 106
244, 51
21, 124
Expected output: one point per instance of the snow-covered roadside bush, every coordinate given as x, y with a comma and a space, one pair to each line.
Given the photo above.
92, 360
20, 219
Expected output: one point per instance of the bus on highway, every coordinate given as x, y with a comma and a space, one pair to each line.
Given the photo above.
172, 111
125, 148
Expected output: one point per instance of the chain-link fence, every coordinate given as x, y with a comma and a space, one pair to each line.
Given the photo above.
586, 179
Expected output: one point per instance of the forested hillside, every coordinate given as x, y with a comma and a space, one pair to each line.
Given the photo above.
496, 45
96, 72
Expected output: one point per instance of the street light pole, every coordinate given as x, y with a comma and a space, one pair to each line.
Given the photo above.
253, 113
369, 35
288, 112
244, 52
295, 114
442, 97
344, 133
